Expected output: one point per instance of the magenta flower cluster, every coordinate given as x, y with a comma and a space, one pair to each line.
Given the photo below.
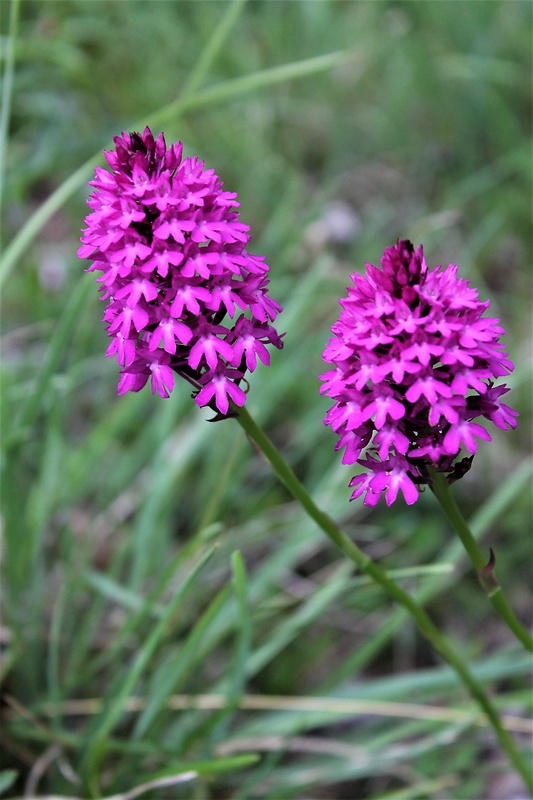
415, 363
184, 295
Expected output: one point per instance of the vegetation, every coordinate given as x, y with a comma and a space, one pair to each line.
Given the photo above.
172, 621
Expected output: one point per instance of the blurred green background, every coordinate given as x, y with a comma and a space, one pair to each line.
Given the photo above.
418, 128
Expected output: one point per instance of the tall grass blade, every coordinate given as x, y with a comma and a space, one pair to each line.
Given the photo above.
96, 741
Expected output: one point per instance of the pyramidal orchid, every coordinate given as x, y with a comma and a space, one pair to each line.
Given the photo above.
415, 368
184, 295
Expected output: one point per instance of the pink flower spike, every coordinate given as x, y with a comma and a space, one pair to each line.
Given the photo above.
414, 363
172, 252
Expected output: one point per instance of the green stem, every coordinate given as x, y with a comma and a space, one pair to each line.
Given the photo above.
485, 571
371, 568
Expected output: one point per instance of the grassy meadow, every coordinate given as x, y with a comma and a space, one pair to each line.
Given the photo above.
173, 625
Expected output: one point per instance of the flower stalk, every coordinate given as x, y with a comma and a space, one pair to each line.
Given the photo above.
286, 475
485, 571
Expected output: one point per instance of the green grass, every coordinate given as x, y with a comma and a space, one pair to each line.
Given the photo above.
149, 555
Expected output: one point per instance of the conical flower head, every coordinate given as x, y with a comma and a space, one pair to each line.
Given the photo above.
184, 296
415, 363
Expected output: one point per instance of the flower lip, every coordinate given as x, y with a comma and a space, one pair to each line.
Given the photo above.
414, 363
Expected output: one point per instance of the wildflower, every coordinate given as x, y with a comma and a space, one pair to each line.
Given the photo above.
416, 361
184, 295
